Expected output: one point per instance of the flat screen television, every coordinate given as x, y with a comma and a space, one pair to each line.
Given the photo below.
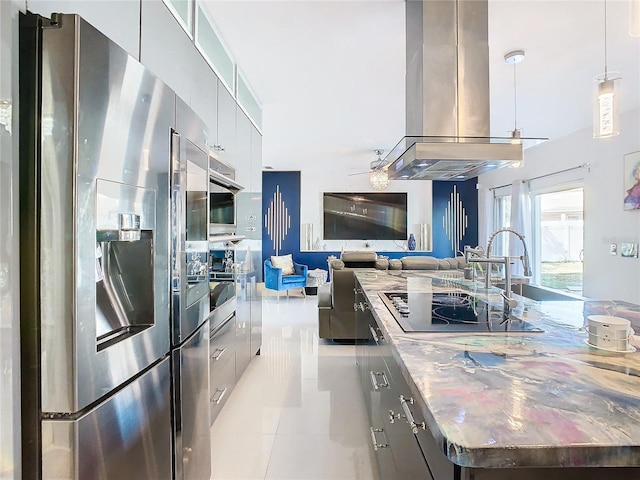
365, 216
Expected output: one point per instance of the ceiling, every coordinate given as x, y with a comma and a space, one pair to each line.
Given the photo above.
330, 74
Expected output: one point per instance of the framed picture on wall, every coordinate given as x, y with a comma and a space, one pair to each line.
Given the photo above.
632, 181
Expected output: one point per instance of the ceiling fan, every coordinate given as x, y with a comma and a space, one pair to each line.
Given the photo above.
378, 176
374, 165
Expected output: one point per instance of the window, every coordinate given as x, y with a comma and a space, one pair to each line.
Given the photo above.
558, 235
502, 214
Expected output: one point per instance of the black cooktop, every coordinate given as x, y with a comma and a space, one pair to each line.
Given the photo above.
450, 312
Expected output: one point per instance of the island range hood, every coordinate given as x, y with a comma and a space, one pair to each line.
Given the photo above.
447, 95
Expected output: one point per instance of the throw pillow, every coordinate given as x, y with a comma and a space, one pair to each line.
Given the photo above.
285, 262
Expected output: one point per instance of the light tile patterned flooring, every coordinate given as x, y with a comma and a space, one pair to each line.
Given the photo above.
297, 412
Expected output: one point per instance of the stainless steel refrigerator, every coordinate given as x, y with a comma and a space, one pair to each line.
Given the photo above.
95, 149
190, 305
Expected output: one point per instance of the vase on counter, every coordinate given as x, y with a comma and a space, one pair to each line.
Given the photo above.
412, 242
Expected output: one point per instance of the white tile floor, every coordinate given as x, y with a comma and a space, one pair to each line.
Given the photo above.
297, 412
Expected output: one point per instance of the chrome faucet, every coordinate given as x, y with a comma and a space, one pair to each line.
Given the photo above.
509, 303
526, 264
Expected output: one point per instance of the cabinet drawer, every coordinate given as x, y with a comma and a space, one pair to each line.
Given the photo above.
220, 387
222, 346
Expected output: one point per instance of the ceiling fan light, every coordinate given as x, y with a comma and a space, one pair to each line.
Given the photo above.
379, 179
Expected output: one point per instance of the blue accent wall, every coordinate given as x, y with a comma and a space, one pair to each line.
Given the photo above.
289, 187
468, 197
288, 184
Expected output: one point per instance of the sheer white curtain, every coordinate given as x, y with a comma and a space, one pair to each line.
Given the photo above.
487, 226
520, 222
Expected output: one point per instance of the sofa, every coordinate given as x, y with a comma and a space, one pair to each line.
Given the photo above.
336, 314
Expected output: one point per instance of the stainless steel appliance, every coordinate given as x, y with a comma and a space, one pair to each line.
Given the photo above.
222, 198
190, 307
450, 312
94, 157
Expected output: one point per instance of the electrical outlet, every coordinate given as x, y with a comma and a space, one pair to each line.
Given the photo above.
613, 249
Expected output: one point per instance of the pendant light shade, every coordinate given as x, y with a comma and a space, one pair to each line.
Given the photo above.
605, 108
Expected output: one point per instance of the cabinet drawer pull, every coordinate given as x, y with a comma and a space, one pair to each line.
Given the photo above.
375, 383
412, 423
223, 392
217, 353
360, 306
393, 416
374, 442
373, 334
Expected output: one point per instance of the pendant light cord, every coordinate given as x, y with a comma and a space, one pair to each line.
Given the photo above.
515, 99
605, 40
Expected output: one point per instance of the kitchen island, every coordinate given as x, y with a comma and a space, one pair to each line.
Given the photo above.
514, 405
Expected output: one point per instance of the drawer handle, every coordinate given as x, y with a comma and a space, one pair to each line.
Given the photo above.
374, 442
373, 334
219, 352
393, 416
223, 392
360, 306
412, 423
374, 381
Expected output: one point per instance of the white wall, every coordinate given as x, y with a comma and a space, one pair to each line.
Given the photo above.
605, 276
315, 180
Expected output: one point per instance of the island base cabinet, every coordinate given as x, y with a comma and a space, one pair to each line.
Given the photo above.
395, 449
550, 473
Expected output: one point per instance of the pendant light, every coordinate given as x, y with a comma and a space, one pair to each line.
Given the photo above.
379, 177
605, 110
513, 58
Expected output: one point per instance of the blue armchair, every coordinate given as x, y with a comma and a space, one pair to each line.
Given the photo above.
275, 280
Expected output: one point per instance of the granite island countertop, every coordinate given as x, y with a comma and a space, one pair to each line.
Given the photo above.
515, 399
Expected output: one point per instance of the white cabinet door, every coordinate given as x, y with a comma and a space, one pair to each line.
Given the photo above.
243, 149
166, 50
256, 160
204, 97
120, 21
227, 126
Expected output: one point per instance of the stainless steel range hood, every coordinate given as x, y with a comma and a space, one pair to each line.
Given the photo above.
447, 95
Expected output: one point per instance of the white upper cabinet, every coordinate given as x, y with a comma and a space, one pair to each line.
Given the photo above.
118, 20
226, 144
256, 160
166, 49
243, 149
